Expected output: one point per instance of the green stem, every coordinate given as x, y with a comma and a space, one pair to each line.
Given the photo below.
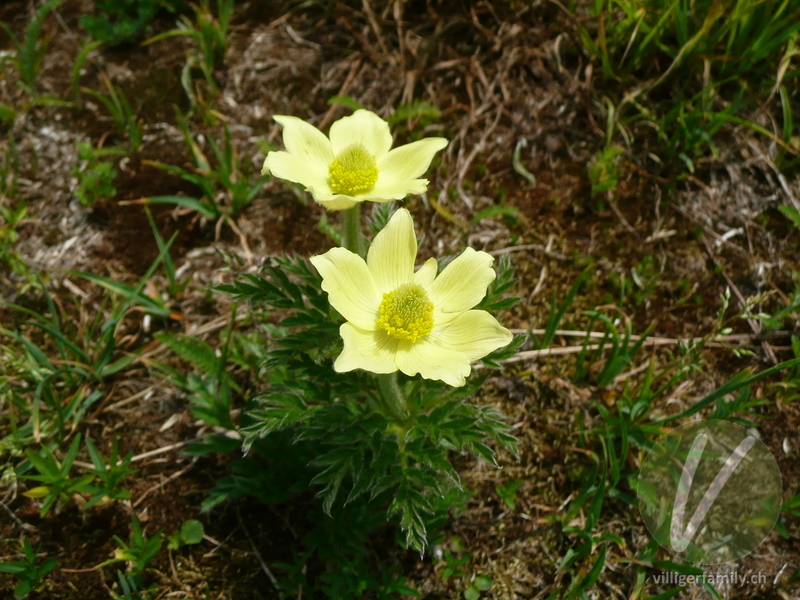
392, 396
352, 236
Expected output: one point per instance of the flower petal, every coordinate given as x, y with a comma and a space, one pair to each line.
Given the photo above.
307, 143
324, 197
408, 162
462, 284
393, 252
433, 362
351, 289
474, 333
362, 127
396, 190
293, 168
372, 351
426, 273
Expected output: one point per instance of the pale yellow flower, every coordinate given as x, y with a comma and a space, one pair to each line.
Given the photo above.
415, 322
355, 164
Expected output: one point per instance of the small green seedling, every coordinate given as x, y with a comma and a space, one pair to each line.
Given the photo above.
227, 188
508, 493
31, 49
453, 564
95, 176
131, 588
210, 390
209, 34
603, 173
29, 574
190, 533
12, 217
139, 550
481, 583
54, 475
124, 21
127, 124
110, 475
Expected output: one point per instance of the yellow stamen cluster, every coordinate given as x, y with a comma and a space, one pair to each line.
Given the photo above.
406, 313
353, 171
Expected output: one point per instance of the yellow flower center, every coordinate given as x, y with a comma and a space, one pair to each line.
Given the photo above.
406, 313
353, 171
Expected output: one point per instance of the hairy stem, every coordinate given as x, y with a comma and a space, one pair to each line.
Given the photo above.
392, 396
352, 236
